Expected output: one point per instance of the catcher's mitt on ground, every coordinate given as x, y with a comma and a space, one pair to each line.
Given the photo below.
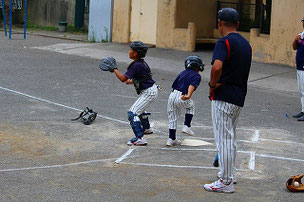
108, 64
294, 184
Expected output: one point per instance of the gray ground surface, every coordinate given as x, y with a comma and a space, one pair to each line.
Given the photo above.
46, 157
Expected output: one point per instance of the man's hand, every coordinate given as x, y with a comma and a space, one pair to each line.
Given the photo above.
298, 37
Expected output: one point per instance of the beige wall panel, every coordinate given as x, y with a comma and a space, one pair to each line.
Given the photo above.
165, 24
202, 13
144, 21
121, 21
285, 24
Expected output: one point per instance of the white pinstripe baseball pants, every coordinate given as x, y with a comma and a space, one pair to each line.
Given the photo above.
146, 97
225, 118
175, 104
300, 80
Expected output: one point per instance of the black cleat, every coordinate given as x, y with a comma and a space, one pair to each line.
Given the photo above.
298, 115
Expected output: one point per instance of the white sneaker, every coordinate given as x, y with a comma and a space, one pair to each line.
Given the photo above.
148, 131
137, 142
234, 179
219, 186
187, 130
171, 142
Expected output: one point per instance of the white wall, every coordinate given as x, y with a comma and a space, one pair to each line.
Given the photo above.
100, 20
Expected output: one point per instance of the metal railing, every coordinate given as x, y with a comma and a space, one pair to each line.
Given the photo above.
17, 4
251, 15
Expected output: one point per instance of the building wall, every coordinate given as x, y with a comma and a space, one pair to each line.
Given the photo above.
121, 21
168, 34
202, 13
100, 20
49, 12
285, 25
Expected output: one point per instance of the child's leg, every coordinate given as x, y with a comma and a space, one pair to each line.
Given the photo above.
142, 103
190, 108
144, 120
173, 113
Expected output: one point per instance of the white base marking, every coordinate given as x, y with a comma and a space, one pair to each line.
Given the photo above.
252, 161
279, 157
124, 156
256, 136
61, 105
57, 166
176, 166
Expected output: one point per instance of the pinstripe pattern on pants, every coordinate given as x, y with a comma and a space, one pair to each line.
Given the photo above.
175, 104
146, 97
225, 118
300, 81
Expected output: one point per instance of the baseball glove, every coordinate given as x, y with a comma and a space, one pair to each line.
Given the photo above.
291, 186
108, 64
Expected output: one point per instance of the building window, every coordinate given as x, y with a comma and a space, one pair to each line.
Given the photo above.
252, 15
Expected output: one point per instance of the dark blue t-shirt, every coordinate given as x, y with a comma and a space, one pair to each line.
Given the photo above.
185, 79
300, 55
235, 53
140, 69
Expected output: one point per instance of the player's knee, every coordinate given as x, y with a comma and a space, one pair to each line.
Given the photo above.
131, 116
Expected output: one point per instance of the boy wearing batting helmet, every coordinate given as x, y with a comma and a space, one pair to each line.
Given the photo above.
139, 74
180, 98
228, 88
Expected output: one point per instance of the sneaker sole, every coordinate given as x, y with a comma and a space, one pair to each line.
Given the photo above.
225, 192
187, 133
148, 133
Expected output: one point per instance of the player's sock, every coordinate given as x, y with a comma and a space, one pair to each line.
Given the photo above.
188, 119
172, 134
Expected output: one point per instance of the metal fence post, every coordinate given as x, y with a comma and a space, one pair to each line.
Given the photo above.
10, 19
25, 18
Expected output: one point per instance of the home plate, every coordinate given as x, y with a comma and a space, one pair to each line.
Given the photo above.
194, 143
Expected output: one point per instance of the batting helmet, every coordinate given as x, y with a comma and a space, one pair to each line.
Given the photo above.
228, 14
140, 48
194, 61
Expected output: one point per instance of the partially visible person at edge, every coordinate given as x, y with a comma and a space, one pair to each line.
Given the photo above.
298, 44
228, 88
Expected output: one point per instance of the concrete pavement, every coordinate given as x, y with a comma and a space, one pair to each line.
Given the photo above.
45, 156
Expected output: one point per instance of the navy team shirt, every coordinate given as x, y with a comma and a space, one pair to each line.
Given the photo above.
137, 70
185, 79
300, 55
235, 53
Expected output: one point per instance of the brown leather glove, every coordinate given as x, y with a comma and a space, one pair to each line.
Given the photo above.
291, 186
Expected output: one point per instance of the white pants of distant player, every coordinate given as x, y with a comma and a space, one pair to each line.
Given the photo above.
224, 118
146, 97
175, 105
300, 80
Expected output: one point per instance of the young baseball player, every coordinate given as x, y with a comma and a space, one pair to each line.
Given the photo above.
139, 74
180, 98
231, 63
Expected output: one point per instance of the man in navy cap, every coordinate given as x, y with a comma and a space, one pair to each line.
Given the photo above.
298, 44
227, 91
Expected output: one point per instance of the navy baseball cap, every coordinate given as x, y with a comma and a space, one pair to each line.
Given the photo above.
229, 15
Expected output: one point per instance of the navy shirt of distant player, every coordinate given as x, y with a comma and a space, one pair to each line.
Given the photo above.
185, 79
235, 53
300, 55
139, 69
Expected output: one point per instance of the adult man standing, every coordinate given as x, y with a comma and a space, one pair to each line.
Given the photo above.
228, 88
298, 44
